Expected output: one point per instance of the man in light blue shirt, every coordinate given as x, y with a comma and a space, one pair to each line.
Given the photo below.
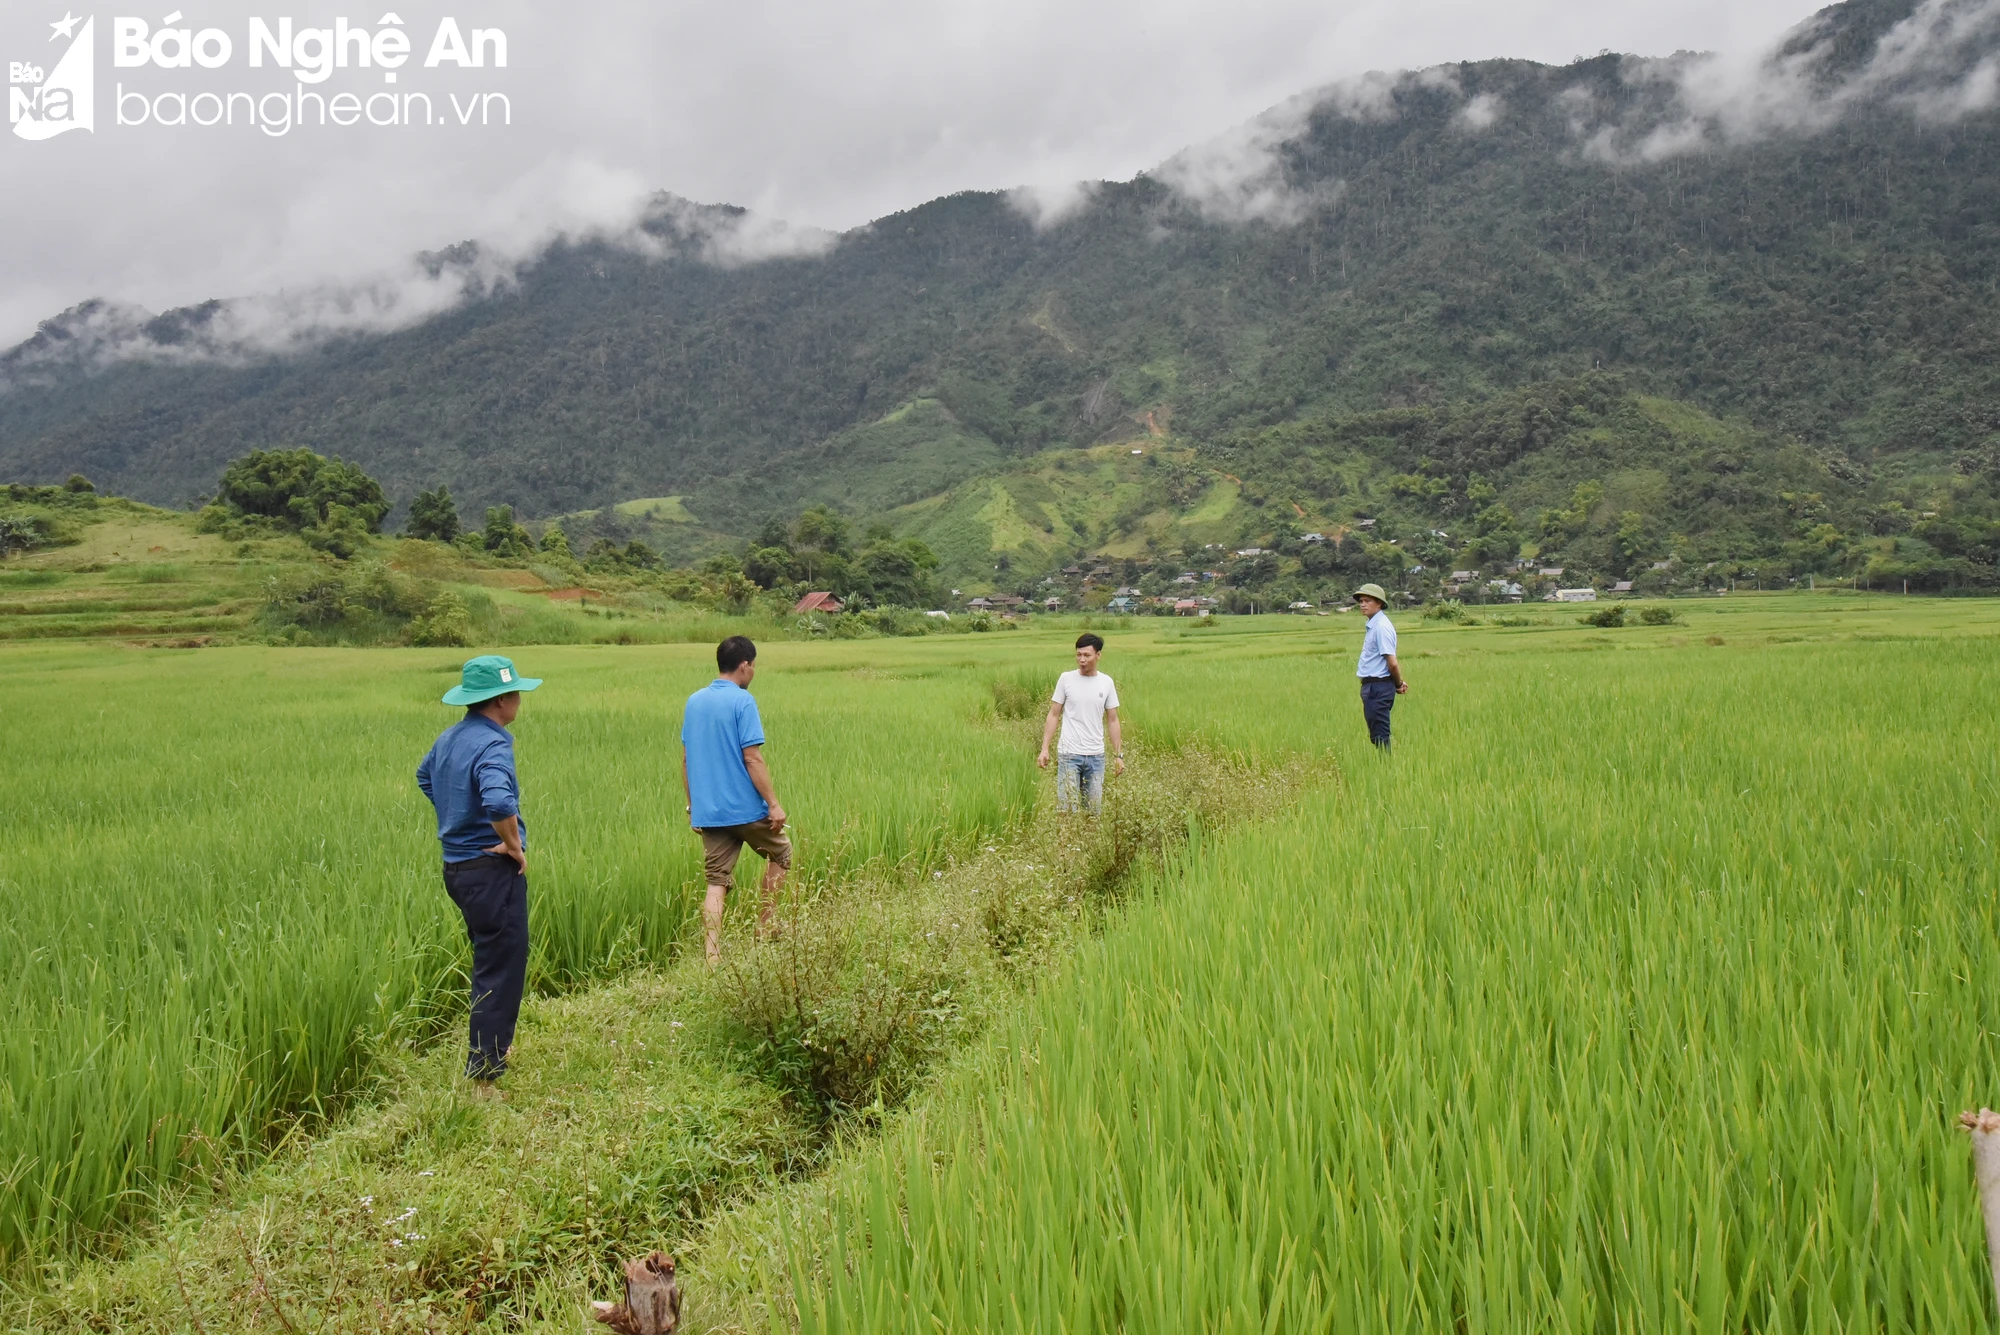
730, 800
1381, 676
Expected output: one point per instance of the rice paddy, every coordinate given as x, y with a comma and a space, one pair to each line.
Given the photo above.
220, 886
1636, 991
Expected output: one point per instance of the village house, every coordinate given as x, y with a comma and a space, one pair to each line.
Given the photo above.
816, 602
1573, 596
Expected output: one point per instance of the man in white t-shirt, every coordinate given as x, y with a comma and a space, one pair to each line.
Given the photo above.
1085, 704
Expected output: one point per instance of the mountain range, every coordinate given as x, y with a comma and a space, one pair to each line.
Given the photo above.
1797, 252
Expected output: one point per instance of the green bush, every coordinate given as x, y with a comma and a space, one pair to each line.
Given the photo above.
29, 527
446, 622
1657, 616
1607, 617
1448, 609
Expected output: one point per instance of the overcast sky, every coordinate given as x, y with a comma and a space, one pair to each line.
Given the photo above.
824, 113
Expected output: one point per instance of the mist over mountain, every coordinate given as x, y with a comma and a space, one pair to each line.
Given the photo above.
1804, 240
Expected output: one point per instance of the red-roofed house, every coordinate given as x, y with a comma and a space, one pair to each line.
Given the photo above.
817, 602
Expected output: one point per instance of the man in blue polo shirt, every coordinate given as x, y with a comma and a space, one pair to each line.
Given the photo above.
730, 798
469, 777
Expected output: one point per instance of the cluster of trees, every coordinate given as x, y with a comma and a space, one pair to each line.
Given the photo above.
817, 550
330, 503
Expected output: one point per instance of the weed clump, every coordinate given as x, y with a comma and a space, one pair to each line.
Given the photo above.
1018, 699
1657, 616
1610, 618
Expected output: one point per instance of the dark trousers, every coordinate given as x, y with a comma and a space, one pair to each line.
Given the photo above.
1378, 697
492, 893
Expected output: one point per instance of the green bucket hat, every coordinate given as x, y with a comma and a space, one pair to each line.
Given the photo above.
485, 677
1372, 591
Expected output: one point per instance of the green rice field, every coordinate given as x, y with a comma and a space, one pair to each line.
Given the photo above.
1636, 991
220, 883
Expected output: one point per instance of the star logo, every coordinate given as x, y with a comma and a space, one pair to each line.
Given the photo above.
66, 28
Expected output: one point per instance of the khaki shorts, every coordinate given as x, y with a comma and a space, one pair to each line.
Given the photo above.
721, 846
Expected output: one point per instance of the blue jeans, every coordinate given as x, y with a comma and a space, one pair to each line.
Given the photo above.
1080, 776
1378, 697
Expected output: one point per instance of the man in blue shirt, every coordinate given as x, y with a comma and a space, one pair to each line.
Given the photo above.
730, 799
469, 777
1381, 676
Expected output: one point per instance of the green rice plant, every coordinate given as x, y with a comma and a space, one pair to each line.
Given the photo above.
1635, 992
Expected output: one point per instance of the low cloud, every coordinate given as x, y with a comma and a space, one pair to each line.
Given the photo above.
1479, 114
721, 235
1047, 205
595, 207
1936, 65
1244, 176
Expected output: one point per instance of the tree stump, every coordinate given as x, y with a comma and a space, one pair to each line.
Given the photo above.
652, 1304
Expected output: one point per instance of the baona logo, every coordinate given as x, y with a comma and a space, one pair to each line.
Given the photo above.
43, 104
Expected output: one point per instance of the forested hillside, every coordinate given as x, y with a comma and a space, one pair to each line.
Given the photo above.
1826, 278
